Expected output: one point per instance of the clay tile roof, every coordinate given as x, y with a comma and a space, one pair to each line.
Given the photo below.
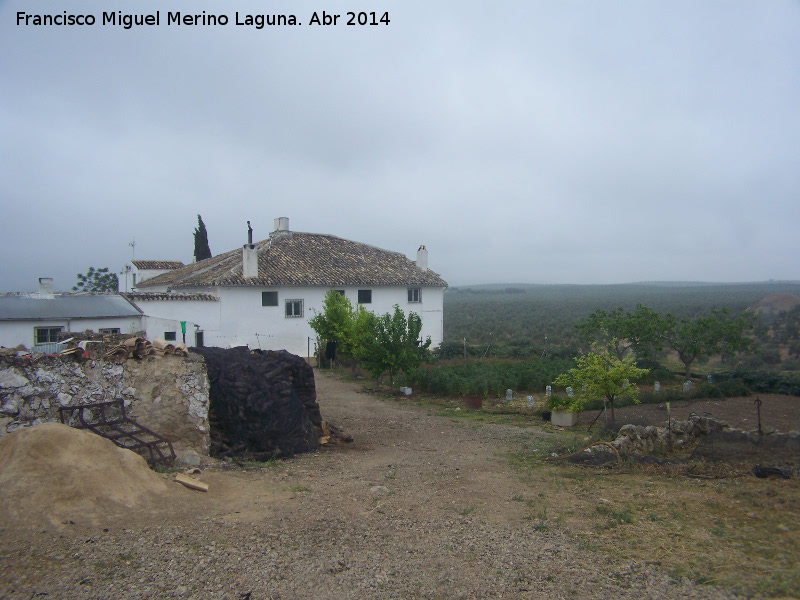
157, 264
296, 258
145, 296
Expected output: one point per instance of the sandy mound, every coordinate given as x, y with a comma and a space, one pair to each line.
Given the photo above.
52, 472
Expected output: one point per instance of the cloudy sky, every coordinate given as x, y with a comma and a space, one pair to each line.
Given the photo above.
520, 141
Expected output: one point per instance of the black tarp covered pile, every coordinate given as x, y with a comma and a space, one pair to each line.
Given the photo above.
263, 403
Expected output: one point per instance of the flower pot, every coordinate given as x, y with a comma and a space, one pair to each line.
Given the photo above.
564, 418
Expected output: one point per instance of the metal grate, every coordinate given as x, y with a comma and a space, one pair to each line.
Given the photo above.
109, 420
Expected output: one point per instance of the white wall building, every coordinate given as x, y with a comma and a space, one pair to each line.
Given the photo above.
147, 269
263, 294
142, 270
40, 318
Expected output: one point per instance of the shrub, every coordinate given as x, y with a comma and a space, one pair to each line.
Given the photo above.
487, 378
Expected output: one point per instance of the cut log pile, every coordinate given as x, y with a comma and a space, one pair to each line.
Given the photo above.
263, 404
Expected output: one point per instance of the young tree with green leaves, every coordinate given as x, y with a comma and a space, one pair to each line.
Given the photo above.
201, 247
390, 342
97, 280
602, 375
337, 322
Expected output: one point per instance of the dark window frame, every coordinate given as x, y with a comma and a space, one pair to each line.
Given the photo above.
365, 296
170, 336
266, 298
51, 334
294, 312
109, 331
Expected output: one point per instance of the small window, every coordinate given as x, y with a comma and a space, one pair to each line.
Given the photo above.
269, 298
413, 295
365, 296
170, 336
294, 308
110, 331
340, 292
46, 335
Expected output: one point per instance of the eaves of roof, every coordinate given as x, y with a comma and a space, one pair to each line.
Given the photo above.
151, 296
157, 264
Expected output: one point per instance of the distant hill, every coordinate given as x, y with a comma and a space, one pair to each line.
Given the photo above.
517, 314
775, 303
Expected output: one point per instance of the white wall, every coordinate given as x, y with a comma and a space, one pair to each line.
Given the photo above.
200, 315
13, 333
156, 327
239, 319
246, 322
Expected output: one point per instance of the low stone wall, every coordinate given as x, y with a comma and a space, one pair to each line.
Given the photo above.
167, 394
708, 439
635, 440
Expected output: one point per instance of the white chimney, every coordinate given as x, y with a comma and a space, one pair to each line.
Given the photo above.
249, 261
46, 287
282, 224
422, 258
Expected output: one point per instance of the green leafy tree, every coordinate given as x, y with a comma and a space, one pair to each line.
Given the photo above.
601, 375
390, 342
201, 247
606, 329
97, 280
337, 322
621, 333
703, 337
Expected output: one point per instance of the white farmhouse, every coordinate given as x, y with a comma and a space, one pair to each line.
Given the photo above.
38, 320
263, 294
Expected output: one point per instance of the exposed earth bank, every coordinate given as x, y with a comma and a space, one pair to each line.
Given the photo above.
418, 506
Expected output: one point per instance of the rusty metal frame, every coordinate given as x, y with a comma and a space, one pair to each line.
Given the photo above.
109, 420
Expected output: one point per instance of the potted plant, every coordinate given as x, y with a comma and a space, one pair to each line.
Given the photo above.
563, 410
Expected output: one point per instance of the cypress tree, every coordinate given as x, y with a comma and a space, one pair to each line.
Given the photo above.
201, 248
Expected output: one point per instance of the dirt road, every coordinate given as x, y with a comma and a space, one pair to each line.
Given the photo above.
419, 506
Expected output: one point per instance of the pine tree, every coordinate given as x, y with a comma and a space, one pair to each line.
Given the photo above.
201, 248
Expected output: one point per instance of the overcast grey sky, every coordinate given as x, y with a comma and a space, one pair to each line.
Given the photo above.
525, 141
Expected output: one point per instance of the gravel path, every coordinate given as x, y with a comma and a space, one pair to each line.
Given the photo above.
417, 507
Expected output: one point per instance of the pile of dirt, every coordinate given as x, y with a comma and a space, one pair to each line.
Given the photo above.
52, 472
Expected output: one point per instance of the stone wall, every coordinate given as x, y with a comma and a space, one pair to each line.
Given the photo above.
708, 439
167, 394
637, 440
